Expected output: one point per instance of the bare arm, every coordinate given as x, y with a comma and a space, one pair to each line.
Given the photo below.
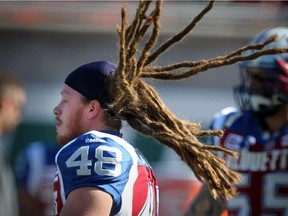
87, 201
205, 205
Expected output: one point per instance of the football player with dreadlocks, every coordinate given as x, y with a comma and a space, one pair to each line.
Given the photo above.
259, 132
98, 172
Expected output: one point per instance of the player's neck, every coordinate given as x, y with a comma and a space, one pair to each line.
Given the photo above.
277, 121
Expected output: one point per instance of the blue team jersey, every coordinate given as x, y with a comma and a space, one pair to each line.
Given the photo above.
262, 162
107, 162
35, 170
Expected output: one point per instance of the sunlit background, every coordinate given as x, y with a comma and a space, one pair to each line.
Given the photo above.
42, 41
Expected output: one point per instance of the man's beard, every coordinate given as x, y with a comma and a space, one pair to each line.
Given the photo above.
72, 132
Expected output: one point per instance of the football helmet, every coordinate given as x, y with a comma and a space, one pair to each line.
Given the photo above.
264, 81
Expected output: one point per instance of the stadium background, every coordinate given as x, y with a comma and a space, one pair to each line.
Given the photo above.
41, 42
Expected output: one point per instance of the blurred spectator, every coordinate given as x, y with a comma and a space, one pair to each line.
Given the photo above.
12, 100
35, 170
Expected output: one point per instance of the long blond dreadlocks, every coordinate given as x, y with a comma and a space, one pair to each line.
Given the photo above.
140, 105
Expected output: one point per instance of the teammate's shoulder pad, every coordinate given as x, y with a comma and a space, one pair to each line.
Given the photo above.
224, 118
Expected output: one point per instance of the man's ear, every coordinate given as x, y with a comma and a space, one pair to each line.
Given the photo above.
94, 108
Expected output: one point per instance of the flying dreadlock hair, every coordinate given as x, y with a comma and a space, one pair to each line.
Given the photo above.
140, 105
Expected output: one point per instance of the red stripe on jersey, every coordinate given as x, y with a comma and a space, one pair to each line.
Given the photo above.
58, 204
141, 190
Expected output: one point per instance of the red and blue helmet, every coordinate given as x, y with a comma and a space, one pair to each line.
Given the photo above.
264, 81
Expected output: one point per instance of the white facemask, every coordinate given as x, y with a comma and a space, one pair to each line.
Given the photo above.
260, 103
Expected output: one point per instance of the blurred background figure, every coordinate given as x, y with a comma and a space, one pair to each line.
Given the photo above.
12, 100
259, 132
35, 170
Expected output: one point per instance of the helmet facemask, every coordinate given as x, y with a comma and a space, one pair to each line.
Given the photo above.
262, 90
